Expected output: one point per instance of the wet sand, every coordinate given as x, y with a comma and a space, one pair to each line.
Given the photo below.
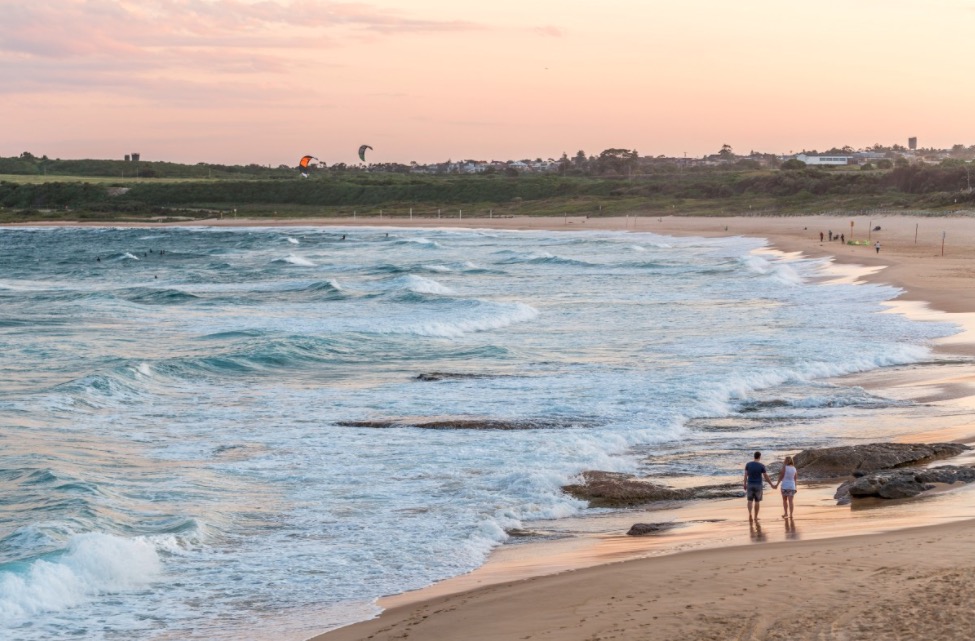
834, 572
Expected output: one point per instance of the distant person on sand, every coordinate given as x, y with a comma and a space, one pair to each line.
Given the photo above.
787, 480
820, 236
842, 238
877, 246
830, 235
754, 473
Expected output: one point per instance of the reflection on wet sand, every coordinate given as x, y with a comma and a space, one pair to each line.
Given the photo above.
791, 533
755, 530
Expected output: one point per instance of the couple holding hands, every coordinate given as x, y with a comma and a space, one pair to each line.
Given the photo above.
755, 472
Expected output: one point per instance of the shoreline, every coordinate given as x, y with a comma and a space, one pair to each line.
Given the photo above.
589, 563
934, 289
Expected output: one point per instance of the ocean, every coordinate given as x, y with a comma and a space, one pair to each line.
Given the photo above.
213, 433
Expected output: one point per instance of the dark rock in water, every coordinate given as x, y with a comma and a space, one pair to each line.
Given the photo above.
888, 485
464, 424
832, 462
898, 484
842, 494
443, 376
947, 474
612, 489
643, 529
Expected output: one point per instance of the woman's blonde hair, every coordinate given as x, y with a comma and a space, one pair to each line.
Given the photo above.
789, 461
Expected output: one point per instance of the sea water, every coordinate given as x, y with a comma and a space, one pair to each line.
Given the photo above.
176, 454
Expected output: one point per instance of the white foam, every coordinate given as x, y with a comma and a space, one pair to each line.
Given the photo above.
298, 261
780, 272
130, 256
517, 313
94, 564
293, 241
422, 285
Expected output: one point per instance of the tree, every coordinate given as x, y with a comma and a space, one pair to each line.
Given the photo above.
884, 163
726, 153
619, 161
793, 164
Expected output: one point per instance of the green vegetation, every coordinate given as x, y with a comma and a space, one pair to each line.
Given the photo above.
341, 193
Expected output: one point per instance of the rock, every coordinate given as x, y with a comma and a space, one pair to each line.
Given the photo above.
463, 423
643, 529
442, 376
898, 484
832, 462
612, 489
842, 494
947, 474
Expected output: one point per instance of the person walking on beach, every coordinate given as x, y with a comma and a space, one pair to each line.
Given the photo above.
820, 236
877, 246
787, 480
755, 471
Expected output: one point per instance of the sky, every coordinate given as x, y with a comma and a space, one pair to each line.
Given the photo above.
267, 81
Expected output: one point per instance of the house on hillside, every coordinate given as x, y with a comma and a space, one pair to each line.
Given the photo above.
824, 161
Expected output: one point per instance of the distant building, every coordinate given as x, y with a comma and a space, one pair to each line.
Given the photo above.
863, 157
912, 143
135, 157
825, 160
127, 158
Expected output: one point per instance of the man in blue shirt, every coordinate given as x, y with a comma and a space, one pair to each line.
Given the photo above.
754, 473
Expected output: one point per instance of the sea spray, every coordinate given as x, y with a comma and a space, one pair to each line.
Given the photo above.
133, 408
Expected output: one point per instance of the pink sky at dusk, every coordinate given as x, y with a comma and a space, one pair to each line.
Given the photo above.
242, 81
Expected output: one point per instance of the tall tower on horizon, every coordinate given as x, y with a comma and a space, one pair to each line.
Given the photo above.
912, 143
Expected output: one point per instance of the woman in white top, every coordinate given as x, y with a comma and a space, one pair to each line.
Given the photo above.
787, 482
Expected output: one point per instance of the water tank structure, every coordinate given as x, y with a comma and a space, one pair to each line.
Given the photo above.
912, 143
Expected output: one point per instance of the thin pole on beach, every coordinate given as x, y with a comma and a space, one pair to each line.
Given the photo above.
870, 232
915, 232
943, 234
411, 213
460, 214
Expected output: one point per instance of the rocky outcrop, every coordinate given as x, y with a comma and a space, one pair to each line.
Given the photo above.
899, 484
462, 424
612, 489
444, 376
644, 529
834, 462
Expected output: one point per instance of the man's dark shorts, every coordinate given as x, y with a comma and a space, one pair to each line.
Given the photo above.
753, 492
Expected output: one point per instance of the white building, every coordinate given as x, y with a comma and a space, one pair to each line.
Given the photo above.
825, 160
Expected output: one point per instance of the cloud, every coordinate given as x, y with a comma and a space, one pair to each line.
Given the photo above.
129, 45
549, 30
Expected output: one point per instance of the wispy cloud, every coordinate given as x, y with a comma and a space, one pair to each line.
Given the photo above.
549, 30
70, 45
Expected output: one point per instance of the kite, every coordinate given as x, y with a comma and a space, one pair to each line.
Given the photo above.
362, 152
305, 164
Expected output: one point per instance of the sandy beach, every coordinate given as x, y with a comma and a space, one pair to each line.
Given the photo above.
833, 573
867, 578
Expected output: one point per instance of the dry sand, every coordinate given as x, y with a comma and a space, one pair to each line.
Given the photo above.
895, 583
719, 578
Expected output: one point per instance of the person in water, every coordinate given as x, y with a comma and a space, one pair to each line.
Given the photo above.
787, 480
755, 472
